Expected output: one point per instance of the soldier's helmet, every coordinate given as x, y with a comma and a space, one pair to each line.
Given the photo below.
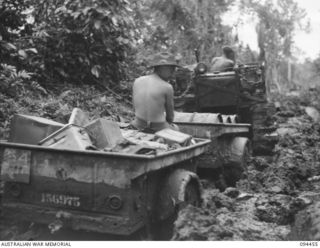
163, 58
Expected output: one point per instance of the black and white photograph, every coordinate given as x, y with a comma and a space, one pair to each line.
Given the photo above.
159, 120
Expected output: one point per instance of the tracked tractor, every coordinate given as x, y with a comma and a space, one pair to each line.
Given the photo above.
240, 91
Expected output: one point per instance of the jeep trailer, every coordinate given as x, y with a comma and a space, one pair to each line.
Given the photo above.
228, 152
103, 192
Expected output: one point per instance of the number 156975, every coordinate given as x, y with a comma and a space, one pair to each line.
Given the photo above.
72, 201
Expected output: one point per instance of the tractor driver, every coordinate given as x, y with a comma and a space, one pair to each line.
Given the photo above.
225, 62
153, 96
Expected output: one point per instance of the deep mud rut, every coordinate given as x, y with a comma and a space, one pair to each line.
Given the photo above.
278, 198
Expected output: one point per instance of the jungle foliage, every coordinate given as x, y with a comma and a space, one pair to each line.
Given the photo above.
45, 45
61, 41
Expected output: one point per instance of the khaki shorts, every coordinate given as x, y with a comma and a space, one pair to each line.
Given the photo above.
152, 127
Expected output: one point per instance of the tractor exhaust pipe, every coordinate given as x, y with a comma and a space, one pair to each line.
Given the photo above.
197, 54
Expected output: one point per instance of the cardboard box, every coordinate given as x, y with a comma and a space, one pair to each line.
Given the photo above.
27, 129
172, 136
68, 137
79, 118
104, 133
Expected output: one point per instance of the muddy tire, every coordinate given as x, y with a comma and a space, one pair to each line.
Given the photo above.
191, 192
233, 172
238, 153
192, 195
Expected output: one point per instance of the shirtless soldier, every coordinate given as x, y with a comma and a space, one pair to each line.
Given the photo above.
225, 62
153, 96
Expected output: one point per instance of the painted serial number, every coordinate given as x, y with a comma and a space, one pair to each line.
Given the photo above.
65, 200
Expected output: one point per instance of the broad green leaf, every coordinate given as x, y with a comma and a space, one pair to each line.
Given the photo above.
128, 8
125, 41
96, 71
103, 99
114, 21
10, 46
23, 54
61, 9
76, 14
24, 74
62, 72
34, 50
86, 10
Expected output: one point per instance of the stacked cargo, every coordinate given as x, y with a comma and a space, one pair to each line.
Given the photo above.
101, 134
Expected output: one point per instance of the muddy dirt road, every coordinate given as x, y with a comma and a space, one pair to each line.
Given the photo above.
279, 197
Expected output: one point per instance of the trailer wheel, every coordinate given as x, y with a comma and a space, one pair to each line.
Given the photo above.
237, 169
181, 188
166, 227
192, 195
